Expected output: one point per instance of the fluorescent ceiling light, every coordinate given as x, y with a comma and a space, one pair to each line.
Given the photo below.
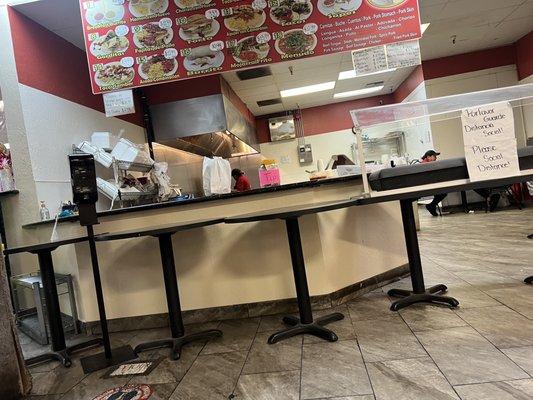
424, 27
350, 74
358, 92
320, 87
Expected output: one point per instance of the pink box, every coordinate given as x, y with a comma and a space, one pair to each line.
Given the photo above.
269, 177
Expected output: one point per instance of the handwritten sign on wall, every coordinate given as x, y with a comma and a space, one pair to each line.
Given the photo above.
490, 141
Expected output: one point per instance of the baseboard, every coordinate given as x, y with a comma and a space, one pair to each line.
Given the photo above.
253, 309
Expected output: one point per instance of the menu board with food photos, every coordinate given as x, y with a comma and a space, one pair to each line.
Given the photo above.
132, 43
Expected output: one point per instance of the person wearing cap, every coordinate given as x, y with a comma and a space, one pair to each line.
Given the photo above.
430, 156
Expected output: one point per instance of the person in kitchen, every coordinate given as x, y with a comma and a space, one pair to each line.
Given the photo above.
242, 183
430, 156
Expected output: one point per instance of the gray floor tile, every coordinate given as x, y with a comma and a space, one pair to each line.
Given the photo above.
272, 323
365, 397
168, 370
93, 385
523, 356
238, 335
269, 386
512, 390
417, 378
283, 356
423, 317
517, 297
387, 339
58, 381
502, 326
212, 377
162, 391
343, 328
465, 357
370, 306
470, 297
333, 369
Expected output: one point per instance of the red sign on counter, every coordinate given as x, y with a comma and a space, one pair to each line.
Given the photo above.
132, 43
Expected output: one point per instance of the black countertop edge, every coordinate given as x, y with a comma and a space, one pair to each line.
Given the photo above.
9, 193
156, 206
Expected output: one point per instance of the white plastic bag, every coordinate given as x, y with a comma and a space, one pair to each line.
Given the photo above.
216, 176
530, 188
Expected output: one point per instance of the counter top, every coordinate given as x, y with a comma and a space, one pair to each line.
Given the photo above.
155, 206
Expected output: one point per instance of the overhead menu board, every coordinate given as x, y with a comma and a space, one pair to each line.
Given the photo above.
132, 43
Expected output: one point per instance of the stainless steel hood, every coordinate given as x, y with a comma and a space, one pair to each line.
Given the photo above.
208, 126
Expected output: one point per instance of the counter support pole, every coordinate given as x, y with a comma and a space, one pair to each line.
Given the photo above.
304, 324
60, 352
109, 357
179, 338
419, 294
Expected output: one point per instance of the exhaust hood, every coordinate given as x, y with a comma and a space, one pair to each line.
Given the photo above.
208, 126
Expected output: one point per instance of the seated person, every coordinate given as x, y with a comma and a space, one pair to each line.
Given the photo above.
242, 183
430, 156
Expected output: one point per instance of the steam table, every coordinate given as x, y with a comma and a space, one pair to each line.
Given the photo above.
164, 235
304, 324
60, 351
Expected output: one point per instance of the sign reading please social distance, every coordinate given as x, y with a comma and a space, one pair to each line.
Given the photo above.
490, 141
132, 43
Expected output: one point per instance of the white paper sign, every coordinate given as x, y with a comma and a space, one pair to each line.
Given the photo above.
403, 54
369, 61
119, 103
490, 142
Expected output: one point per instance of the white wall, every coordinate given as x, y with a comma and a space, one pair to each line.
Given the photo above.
324, 146
51, 132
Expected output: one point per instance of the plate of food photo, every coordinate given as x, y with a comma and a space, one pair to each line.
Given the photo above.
199, 27
152, 35
104, 12
248, 50
113, 74
145, 8
294, 42
386, 3
333, 7
187, 4
290, 12
244, 18
157, 66
108, 44
202, 58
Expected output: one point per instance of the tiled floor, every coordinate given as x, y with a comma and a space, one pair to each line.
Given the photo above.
481, 351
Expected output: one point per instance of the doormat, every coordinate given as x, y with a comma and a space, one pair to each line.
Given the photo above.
136, 368
128, 392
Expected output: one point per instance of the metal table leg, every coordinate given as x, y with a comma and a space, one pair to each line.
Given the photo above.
60, 351
419, 294
179, 338
529, 279
304, 324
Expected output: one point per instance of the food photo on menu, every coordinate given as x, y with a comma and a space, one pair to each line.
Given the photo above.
244, 18
386, 3
334, 8
198, 27
289, 12
187, 5
157, 67
202, 60
114, 75
103, 13
148, 8
248, 50
151, 35
295, 43
109, 44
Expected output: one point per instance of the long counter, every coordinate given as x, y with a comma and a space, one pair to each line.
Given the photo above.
230, 270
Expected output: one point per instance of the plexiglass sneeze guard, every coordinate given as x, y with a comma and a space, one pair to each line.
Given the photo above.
412, 125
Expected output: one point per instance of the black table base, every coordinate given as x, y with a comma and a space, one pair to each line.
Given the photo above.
100, 361
419, 294
304, 324
178, 339
315, 328
59, 351
529, 279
